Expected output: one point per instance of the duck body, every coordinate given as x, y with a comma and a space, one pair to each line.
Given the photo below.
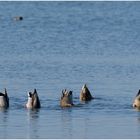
66, 99
33, 100
85, 94
18, 18
4, 99
136, 103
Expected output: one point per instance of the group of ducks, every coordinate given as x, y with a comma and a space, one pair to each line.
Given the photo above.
33, 101
66, 99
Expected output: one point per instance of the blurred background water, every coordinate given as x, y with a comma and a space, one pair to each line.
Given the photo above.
61, 45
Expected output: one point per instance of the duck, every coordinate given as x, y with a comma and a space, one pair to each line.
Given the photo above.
18, 18
4, 99
85, 94
136, 102
33, 100
66, 99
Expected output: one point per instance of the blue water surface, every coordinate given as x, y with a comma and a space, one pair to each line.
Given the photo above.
62, 45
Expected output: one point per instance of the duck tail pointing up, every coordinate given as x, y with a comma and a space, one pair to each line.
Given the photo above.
35, 91
5, 91
6, 96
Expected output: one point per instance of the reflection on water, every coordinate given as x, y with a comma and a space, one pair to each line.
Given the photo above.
67, 122
138, 122
137, 109
32, 123
33, 113
4, 114
4, 110
138, 119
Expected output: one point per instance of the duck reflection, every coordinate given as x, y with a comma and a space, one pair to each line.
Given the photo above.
4, 121
67, 123
33, 114
4, 110
33, 123
138, 125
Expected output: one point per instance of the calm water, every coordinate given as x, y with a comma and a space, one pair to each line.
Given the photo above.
64, 45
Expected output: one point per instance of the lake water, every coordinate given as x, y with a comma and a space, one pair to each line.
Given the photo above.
62, 45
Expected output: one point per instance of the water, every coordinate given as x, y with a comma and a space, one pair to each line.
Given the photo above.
61, 45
